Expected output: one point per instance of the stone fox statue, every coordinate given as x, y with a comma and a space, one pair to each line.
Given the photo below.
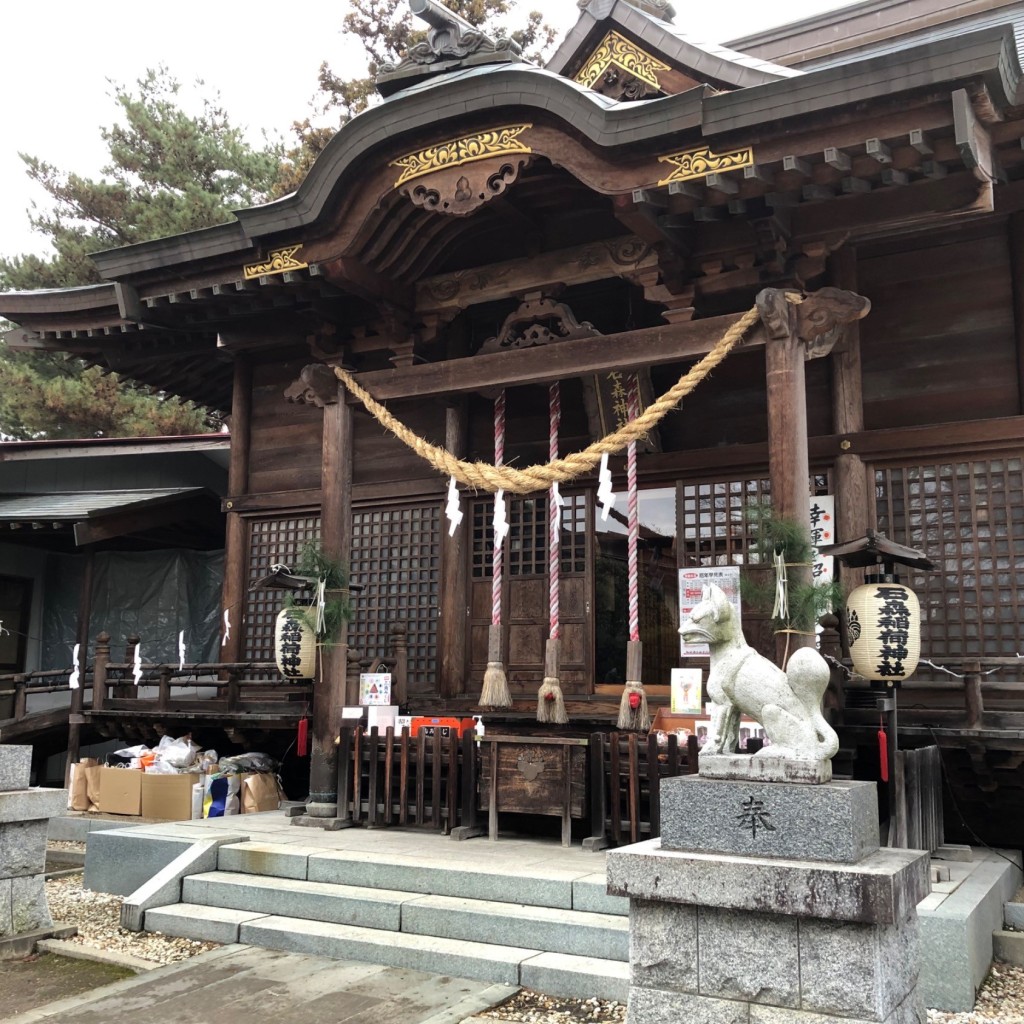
743, 682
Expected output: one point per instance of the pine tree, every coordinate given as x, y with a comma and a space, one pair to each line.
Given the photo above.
169, 172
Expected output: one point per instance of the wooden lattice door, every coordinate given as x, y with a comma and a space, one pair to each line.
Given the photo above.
525, 615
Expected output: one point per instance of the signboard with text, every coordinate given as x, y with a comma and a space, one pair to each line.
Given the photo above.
691, 583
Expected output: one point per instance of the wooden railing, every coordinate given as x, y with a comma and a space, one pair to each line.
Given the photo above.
430, 781
917, 823
626, 771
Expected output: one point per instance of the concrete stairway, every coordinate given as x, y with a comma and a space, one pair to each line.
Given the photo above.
553, 931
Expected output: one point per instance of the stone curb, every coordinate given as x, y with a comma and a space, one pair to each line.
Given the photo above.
77, 951
53, 1011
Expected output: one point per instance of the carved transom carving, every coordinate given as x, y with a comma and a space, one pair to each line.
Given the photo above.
456, 152
539, 320
696, 163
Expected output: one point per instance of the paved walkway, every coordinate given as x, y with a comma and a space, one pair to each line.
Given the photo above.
244, 985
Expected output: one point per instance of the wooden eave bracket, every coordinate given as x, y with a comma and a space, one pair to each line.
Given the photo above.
316, 385
972, 139
817, 320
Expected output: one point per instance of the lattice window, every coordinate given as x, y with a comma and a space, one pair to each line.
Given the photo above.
396, 559
271, 541
528, 544
968, 517
715, 527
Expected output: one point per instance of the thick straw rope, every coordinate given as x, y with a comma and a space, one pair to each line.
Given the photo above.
537, 478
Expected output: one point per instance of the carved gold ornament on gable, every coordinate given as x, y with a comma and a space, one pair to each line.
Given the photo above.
618, 51
278, 261
454, 152
696, 163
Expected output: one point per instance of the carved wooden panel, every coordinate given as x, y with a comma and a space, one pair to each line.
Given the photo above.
532, 778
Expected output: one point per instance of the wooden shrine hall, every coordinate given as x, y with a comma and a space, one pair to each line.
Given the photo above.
490, 228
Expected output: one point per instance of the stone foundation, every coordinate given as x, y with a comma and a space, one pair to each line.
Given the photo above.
718, 937
24, 815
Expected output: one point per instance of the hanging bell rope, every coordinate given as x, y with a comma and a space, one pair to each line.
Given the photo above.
558, 470
550, 702
495, 692
633, 713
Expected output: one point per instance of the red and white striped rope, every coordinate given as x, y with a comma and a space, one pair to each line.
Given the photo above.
554, 512
633, 520
499, 541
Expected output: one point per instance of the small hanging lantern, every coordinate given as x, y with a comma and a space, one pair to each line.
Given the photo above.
883, 617
294, 645
883, 623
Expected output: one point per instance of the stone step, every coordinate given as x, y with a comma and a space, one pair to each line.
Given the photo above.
1008, 946
291, 897
558, 931
549, 929
557, 974
457, 875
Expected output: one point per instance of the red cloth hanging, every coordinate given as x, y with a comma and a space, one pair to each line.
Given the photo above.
883, 753
302, 743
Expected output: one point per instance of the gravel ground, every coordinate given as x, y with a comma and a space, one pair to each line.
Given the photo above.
1001, 1000
97, 915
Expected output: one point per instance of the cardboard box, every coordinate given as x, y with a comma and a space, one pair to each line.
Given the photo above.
168, 797
120, 791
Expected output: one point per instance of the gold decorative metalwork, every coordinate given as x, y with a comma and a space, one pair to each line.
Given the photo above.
455, 152
695, 163
618, 51
278, 261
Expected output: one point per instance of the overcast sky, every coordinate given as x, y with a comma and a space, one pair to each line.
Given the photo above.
262, 57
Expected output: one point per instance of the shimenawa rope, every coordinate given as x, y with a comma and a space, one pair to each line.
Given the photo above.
537, 478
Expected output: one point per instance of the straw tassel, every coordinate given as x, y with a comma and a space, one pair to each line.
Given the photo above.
550, 702
633, 713
495, 692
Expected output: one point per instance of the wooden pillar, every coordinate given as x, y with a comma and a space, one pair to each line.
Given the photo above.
75, 717
330, 692
1015, 231
796, 332
452, 613
853, 490
236, 541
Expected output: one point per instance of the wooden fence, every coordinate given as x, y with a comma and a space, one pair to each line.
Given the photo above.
917, 823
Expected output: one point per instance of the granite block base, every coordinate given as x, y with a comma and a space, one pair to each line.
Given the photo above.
15, 766
765, 768
836, 821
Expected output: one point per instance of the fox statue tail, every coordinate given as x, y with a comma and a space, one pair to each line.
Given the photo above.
808, 675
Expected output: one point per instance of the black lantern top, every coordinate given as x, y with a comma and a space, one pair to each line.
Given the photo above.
876, 549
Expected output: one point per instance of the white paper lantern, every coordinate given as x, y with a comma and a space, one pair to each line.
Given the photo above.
884, 626
294, 645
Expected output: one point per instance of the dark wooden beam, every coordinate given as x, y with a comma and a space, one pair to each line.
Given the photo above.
236, 541
451, 639
649, 346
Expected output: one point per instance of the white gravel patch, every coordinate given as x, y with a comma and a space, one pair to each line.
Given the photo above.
98, 916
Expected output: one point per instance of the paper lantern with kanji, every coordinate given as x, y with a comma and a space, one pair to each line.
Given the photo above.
884, 627
294, 646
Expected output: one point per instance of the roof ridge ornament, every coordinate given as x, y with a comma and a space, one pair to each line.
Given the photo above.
452, 42
661, 9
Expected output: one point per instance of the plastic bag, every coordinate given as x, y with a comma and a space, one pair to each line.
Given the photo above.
129, 752
221, 797
254, 762
179, 753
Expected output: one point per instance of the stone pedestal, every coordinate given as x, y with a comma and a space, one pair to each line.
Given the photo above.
770, 903
24, 817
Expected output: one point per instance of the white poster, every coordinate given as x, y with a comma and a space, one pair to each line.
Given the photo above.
685, 691
691, 583
823, 533
374, 688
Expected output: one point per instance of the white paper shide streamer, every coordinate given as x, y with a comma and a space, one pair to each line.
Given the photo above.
556, 494
321, 604
137, 664
227, 626
605, 493
500, 518
181, 650
452, 510
73, 678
